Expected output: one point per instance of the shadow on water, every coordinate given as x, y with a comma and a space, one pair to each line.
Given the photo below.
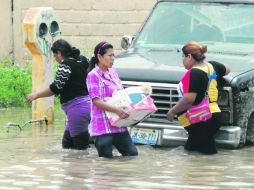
34, 159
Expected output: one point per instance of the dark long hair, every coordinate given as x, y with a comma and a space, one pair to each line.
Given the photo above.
101, 49
65, 48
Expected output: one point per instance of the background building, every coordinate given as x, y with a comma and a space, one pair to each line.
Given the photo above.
83, 22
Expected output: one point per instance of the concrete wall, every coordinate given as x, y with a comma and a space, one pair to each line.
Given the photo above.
84, 23
6, 40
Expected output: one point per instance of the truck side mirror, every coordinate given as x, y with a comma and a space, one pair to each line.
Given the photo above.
126, 42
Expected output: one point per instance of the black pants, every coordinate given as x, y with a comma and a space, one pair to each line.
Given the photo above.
201, 135
79, 142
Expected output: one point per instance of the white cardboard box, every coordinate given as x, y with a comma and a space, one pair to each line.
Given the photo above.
138, 104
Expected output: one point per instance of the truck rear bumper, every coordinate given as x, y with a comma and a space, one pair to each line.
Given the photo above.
175, 135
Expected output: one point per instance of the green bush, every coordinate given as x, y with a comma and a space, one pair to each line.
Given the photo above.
15, 83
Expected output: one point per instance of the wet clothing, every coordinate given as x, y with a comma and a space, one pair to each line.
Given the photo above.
201, 135
102, 85
78, 115
122, 142
70, 84
79, 142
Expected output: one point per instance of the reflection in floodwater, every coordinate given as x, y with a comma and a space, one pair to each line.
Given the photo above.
34, 159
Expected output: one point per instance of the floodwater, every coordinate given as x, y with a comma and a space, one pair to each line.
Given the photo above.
34, 159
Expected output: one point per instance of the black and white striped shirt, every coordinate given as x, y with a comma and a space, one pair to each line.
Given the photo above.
70, 81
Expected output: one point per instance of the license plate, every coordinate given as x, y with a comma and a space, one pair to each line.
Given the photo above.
144, 136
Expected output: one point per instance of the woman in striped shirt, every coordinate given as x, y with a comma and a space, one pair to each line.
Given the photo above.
70, 84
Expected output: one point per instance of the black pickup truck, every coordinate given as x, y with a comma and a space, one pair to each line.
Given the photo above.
153, 57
